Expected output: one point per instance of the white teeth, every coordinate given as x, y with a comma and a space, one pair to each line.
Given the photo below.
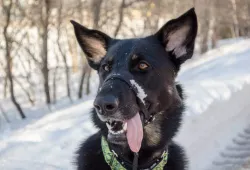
116, 133
109, 127
125, 126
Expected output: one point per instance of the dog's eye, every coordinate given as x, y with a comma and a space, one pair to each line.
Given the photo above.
143, 65
106, 67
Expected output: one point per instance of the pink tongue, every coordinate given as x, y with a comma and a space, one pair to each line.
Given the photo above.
134, 133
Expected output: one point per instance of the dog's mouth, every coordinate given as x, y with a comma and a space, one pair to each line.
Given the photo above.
117, 131
129, 131
116, 127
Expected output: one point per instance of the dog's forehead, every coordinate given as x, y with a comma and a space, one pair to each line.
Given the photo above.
124, 49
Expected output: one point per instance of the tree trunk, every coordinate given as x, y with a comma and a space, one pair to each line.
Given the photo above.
121, 13
9, 61
204, 26
248, 9
96, 8
235, 19
5, 86
31, 94
212, 26
44, 53
204, 37
62, 53
54, 85
67, 79
88, 81
25, 91
55, 81
84, 71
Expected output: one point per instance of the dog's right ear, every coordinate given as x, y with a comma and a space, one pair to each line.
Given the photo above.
94, 43
178, 37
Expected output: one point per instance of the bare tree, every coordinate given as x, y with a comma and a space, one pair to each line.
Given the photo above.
20, 84
31, 94
84, 71
89, 70
121, 13
235, 19
25, 91
65, 61
55, 80
5, 85
8, 46
44, 49
40, 19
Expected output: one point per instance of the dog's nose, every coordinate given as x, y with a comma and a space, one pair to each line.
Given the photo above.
106, 105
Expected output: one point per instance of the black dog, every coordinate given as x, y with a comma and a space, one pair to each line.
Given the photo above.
139, 105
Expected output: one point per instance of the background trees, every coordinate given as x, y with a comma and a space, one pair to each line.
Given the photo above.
40, 61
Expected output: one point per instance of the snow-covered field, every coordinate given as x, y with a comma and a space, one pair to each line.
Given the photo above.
218, 89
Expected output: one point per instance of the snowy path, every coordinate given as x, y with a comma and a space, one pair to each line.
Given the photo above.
207, 135
236, 156
48, 143
218, 90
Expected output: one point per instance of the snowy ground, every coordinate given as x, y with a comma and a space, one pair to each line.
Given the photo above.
216, 83
48, 143
217, 86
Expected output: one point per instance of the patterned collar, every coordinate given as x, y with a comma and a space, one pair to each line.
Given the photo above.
111, 159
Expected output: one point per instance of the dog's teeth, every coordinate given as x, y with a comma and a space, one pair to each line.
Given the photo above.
120, 132
116, 133
111, 131
111, 125
125, 126
108, 126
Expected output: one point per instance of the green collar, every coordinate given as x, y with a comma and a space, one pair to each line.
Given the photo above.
111, 158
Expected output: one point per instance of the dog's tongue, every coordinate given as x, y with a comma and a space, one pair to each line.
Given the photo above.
134, 133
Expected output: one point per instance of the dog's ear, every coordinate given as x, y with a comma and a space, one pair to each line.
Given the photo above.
178, 37
94, 43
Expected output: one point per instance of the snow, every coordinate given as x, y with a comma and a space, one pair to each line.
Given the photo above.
141, 93
48, 143
217, 86
216, 75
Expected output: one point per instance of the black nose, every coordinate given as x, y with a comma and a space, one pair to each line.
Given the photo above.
106, 105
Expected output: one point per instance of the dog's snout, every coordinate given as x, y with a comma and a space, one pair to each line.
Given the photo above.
106, 105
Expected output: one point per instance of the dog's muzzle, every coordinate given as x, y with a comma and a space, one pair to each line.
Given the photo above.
127, 78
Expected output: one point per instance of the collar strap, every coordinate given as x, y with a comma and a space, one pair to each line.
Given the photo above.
116, 163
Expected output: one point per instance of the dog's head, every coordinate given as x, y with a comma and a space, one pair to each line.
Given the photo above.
136, 74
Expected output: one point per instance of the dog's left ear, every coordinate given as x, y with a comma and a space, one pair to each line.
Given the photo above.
178, 37
94, 43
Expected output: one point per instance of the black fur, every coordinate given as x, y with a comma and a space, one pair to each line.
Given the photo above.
163, 54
